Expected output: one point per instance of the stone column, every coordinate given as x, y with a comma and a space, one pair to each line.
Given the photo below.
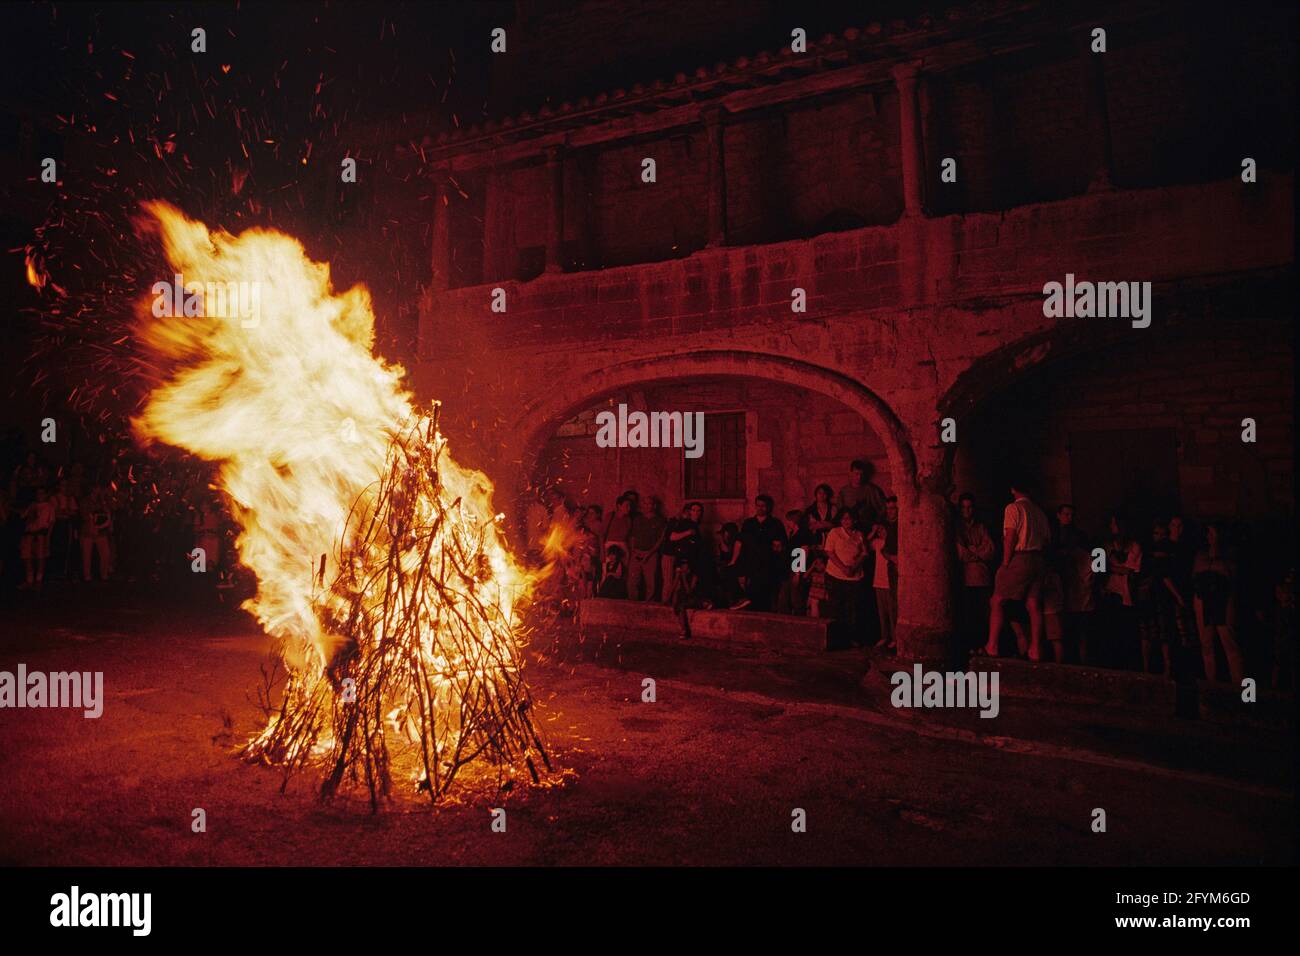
926, 619
910, 138
715, 157
926, 555
1097, 117
441, 231
555, 209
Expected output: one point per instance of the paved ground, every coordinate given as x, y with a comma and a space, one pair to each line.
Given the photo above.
708, 774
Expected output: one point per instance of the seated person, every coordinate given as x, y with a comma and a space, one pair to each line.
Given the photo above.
613, 580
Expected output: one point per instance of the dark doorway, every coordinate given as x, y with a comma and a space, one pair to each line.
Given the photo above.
1133, 471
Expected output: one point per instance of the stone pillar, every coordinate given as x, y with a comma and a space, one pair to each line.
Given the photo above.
911, 138
926, 554
1097, 117
441, 231
555, 209
926, 618
715, 156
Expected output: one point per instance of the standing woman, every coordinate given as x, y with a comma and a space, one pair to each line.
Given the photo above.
1213, 580
821, 514
846, 553
1120, 591
730, 582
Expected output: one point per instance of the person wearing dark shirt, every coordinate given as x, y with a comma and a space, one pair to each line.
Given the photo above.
821, 513
763, 539
613, 580
728, 577
1154, 600
862, 496
619, 526
1214, 579
644, 542
799, 538
682, 540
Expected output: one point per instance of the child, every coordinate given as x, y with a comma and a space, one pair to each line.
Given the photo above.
38, 520
613, 583
683, 594
819, 591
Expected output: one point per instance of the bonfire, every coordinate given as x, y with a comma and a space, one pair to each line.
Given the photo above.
382, 570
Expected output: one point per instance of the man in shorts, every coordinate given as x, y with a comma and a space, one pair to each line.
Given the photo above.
1025, 535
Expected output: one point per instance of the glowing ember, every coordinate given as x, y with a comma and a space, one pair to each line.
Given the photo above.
381, 569
36, 274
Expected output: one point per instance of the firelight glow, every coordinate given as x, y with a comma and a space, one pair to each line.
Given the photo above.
304, 421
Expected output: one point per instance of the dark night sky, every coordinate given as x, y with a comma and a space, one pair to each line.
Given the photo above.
250, 133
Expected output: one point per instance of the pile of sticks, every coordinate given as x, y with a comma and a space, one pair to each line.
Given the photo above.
426, 665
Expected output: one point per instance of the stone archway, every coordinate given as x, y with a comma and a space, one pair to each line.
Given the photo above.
925, 614
539, 418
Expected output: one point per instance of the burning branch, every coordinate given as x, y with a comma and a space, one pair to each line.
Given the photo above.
428, 659
381, 571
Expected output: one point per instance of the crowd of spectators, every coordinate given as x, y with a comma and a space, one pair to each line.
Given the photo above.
122, 520
1167, 600
835, 558
1168, 597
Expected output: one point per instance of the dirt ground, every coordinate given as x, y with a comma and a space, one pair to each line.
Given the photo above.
710, 773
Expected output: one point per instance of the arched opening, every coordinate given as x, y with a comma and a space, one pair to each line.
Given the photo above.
760, 437
1146, 424
924, 611
541, 419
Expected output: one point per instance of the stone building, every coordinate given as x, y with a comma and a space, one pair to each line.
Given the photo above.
824, 171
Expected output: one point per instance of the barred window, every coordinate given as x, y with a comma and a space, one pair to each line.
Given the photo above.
720, 471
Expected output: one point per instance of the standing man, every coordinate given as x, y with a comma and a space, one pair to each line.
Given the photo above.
762, 551
1025, 534
976, 553
862, 496
644, 542
619, 525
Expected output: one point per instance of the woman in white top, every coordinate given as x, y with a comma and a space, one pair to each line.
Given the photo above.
1125, 563
1119, 592
846, 554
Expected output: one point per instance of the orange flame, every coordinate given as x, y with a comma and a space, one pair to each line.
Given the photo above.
36, 274
298, 411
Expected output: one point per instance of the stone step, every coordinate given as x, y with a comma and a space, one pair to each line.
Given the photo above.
780, 633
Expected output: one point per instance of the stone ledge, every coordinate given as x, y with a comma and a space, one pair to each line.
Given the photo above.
781, 633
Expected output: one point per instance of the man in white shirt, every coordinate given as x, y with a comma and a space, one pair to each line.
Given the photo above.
1025, 535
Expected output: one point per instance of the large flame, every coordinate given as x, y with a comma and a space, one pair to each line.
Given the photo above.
379, 560
294, 406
